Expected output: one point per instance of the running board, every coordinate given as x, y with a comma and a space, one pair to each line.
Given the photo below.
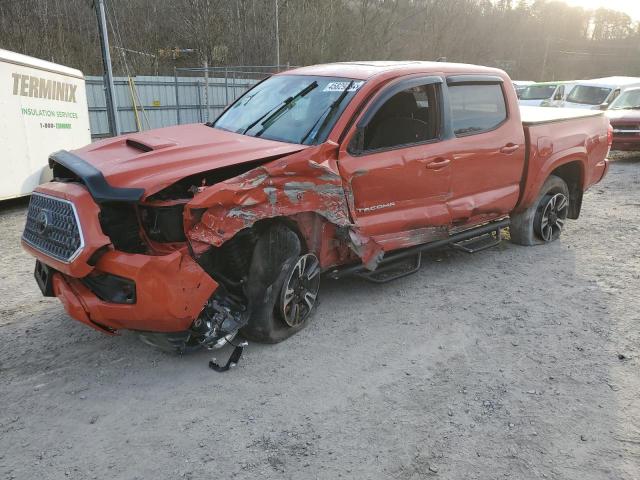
393, 259
378, 275
480, 243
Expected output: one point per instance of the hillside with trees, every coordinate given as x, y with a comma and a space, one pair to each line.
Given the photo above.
536, 40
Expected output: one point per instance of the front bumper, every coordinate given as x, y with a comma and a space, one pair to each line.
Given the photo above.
626, 144
170, 290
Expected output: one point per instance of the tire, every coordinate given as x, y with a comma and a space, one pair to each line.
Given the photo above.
551, 206
277, 259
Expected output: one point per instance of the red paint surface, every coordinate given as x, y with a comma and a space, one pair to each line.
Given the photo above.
178, 152
171, 291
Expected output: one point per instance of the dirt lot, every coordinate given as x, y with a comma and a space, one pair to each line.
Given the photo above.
503, 364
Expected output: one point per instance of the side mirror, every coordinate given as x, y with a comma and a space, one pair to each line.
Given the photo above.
603, 106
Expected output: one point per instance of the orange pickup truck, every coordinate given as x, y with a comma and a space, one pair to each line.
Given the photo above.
189, 234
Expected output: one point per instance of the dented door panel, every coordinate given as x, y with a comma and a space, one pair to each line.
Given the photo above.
395, 195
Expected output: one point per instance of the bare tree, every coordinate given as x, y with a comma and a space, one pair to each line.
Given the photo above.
516, 35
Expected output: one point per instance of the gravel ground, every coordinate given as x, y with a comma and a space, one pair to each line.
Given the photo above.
513, 363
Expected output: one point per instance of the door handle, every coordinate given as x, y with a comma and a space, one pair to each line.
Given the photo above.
509, 148
438, 163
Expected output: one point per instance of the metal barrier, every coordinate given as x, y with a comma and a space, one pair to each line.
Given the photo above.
191, 95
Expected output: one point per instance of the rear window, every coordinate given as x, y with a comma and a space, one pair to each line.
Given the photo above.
477, 108
588, 95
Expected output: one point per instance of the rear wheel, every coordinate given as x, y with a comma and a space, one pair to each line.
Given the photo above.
545, 219
282, 286
551, 217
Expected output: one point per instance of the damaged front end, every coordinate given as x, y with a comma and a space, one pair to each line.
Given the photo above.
174, 265
304, 188
217, 324
223, 222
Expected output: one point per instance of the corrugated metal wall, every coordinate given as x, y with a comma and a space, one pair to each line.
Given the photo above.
157, 105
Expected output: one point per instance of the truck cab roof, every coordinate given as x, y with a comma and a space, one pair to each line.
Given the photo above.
365, 70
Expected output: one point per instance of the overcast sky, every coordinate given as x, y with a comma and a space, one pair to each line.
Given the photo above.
630, 7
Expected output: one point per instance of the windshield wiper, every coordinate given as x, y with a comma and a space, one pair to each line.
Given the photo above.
330, 112
635, 107
287, 104
283, 105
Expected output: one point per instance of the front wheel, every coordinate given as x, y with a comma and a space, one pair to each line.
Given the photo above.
545, 219
300, 290
282, 287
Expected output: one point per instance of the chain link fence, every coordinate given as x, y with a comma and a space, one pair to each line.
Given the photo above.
191, 95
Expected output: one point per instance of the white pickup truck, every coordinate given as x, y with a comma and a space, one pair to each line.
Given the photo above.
545, 94
597, 94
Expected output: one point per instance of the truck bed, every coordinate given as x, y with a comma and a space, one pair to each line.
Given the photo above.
561, 135
541, 115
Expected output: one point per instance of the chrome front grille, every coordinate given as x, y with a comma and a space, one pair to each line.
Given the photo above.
626, 130
53, 228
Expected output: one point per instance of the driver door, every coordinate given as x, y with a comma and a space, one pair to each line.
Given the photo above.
397, 169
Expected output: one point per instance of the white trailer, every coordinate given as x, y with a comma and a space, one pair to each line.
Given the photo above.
43, 108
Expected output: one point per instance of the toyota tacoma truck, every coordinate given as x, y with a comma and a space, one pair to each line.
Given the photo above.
192, 233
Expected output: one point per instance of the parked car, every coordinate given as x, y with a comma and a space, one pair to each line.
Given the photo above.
190, 233
624, 115
520, 85
44, 108
598, 93
545, 94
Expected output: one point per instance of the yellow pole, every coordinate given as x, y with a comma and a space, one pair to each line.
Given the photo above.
135, 105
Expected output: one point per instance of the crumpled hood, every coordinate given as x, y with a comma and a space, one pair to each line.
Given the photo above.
155, 159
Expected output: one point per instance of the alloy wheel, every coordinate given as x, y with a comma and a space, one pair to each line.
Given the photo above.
552, 216
300, 290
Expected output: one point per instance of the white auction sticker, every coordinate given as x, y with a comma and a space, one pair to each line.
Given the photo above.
340, 86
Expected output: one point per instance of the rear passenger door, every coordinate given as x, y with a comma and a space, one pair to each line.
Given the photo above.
488, 151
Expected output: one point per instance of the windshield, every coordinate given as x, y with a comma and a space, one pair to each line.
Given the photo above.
588, 95
538, 92
629, 100
290, 108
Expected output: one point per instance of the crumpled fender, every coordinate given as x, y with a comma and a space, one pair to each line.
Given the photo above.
300, 183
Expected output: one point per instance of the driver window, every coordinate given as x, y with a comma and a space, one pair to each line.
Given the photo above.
410, 116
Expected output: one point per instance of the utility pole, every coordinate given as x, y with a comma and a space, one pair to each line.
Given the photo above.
277, 39
109, 89
206, 88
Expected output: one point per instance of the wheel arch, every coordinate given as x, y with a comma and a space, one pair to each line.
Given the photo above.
289, 222
573, 174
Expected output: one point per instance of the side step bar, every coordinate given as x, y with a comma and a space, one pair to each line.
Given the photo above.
378, 275
454, 241
477, 244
